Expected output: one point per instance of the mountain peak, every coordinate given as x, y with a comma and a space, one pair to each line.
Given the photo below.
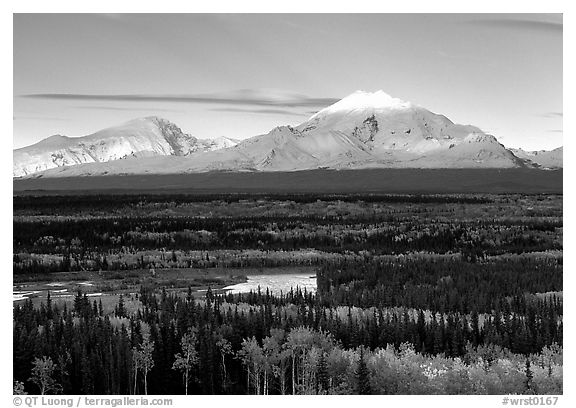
155, 119
53, 140
56, 138
138, 138
362, 100
378, 99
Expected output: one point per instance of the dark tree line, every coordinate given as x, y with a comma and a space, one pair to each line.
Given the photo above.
440, 284
74, 204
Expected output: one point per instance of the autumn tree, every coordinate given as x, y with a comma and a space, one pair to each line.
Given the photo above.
42, 373
281, 359
144, 362
186, 360
225, 348
19, 388
252, 357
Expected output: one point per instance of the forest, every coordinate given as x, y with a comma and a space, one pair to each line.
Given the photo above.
415, 294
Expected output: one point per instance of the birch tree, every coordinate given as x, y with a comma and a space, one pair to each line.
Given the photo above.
42, 375
143, 361
252, 358
225, 349
186, 360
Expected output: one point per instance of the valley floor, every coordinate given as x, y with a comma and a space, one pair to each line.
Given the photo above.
289, 293
415, 181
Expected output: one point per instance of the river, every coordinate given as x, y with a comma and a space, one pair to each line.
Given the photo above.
275, 283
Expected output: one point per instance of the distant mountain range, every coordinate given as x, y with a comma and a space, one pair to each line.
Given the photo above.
146, 137
363, 130
542, 158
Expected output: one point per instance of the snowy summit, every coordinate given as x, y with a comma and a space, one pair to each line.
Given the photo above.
361, 101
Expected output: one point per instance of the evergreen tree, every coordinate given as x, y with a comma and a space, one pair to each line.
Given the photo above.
362, 376
120, 308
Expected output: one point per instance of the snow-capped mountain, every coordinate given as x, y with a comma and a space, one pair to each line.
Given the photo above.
363, 130
139, 138
549, 159
221, 142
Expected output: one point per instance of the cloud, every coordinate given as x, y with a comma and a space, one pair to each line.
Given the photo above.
41, 118
552, 115
534, 24
245, 97
120, 108
262, 111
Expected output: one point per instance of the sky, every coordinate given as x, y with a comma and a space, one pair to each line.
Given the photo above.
240, 75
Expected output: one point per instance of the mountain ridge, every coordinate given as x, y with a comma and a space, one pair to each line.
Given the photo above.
362, 130
139, 138
547, 159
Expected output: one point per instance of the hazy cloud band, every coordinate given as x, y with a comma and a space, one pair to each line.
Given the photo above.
262, 111
527, 24
292, 102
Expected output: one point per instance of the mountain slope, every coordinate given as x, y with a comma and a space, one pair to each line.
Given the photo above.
550, 159
139, 138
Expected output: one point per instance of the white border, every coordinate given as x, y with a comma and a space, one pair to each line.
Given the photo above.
301, 6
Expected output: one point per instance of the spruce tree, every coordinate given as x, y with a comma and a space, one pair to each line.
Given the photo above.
362, 376
121, 310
